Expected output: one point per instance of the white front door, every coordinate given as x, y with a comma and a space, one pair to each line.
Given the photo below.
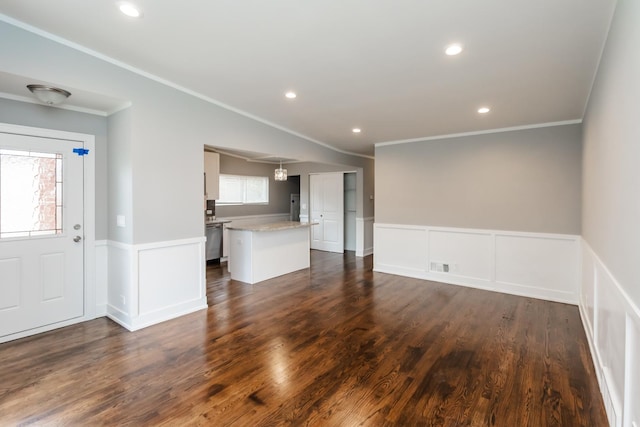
327, 209
41, 232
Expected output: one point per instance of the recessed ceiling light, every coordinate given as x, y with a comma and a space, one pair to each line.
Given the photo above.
484, 110
290, 95
356, 130
129, 10
453, 49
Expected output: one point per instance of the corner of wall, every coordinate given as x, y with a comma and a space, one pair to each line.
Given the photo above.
152, 283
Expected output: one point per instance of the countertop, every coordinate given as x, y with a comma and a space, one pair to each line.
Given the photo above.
216, 221
274, 226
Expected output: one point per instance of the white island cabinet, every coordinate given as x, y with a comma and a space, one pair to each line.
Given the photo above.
263, 251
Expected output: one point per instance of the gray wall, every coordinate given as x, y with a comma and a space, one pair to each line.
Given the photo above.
279, 191
611, 205
305, 168
120, 175
527, 180
168, 129
26, 114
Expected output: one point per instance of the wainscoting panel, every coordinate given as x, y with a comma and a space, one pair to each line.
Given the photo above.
400, 250
475, 261
587, 291
171, 279
537, 265
612, 324
151, 283
610, 336
632, 371
121, 298
102, 277
364, 236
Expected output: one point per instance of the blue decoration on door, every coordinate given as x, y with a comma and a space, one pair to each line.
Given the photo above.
81, 151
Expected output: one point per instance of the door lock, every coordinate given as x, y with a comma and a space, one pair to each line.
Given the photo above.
77, 239
77, 227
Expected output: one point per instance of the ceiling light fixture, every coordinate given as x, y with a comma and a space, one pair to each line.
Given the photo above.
484, 110
453, 49
48, 94
129, 10
280, 174
290, 95
356, 130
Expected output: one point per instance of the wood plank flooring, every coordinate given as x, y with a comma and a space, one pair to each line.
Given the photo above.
336, 345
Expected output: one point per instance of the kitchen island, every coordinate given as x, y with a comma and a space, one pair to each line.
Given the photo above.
263, 251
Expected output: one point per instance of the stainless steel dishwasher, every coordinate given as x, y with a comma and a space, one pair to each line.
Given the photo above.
214, 241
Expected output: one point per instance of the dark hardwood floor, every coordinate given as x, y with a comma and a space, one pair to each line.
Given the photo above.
337, 345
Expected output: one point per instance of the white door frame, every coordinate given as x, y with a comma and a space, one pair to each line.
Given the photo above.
89, 221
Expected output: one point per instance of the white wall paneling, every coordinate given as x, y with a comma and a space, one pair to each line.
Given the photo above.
364, 236
474, 262
151, 283
400, 249
612, 325
632, 371
248, 220
536, 265
120, 289
102, 277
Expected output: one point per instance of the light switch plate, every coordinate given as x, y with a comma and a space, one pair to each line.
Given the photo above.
120, 222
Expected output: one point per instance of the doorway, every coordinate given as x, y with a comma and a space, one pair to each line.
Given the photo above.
326, 191
294, 198
350, 199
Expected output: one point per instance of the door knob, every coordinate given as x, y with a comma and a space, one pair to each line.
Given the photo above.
77, 239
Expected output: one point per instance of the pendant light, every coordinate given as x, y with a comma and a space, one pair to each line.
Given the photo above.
280, 174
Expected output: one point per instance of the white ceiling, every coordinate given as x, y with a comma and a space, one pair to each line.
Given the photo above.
374, 64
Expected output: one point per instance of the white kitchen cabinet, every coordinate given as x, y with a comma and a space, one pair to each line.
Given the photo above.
211, 175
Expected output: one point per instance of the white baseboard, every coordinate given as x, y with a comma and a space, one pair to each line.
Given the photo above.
149, 319
537, 265
612, 325
155, 282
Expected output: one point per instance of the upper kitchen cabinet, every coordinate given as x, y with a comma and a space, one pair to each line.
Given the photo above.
211, 175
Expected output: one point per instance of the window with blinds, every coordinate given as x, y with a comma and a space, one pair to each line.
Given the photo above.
243, 190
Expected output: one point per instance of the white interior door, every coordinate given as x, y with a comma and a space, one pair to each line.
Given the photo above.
327, 209
41, 232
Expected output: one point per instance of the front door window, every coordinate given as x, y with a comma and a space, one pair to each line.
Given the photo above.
30, 194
